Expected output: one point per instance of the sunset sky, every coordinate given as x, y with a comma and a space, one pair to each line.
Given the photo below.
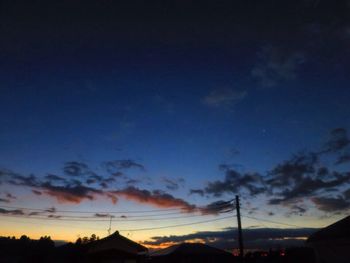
158, 114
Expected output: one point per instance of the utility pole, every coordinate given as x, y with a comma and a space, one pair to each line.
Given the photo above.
240, 237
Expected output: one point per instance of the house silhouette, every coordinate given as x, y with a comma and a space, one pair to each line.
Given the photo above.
191, 253
332, 243
116, 248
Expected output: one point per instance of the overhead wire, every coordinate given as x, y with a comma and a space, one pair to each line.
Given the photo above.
178, 225
271, 221
89, 212
156, 212
105, 219
53, 214
152, 228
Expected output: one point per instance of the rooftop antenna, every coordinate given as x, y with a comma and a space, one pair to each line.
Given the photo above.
110, 225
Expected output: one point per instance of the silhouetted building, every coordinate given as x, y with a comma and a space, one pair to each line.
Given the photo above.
191, 252
332, 243
116, 248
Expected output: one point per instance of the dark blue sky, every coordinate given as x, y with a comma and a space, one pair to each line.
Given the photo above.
166, 93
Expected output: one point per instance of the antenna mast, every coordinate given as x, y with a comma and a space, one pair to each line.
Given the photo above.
110, 225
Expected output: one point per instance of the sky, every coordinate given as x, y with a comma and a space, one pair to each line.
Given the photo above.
148, 118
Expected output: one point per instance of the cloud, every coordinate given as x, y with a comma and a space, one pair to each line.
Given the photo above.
338, 141
103, 215
301, 177
292, 182
262, 238
217, 207
197, 191
36, 192
51, 210
331, 204
292, 170
11, 212
277, 65
9, 197
296, 210
70, 194
65, 191
94, 179
18, 179
104, 185
156, 198
235, 182
307, 186
53, 177
113, 167
288, 184
173, 184
76, 191
106, 182
7, 173
170, 185
132, 181
74, 168
224, 97
117, 174
345, 158
112, 196
34, 213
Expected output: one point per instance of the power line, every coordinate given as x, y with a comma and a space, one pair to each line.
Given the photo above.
179, 209
149, 228
106, 219
271, 221
89, 212
187, 224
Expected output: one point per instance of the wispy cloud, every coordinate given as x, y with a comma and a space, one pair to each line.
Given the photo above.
342, 159
17, 179
74, 168
197, 191
8, 198
53, 177
103, 215
173, 184
224, 97
36, 192
338, 141
276, 65
11, 212
114, 167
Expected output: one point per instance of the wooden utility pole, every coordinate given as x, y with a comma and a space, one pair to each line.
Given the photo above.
240, 237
